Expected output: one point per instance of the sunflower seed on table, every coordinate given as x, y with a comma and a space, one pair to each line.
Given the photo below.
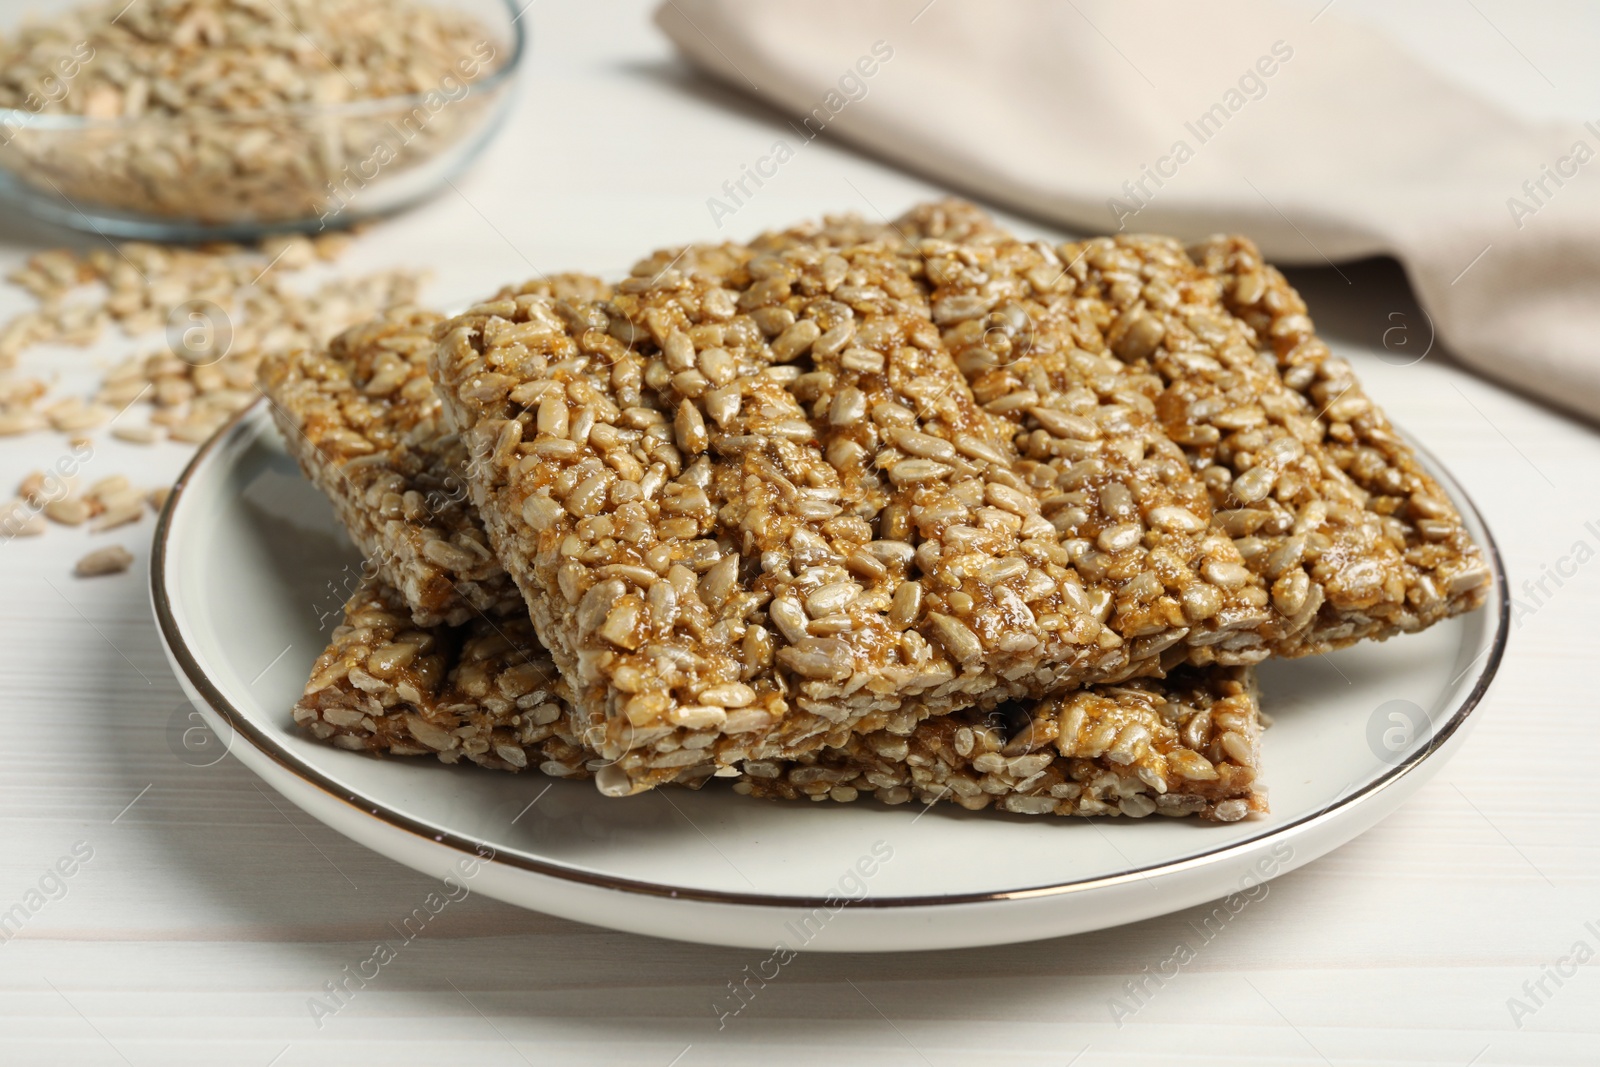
70, 511
113, 559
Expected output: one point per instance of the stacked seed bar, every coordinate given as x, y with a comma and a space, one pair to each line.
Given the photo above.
1338, 511
364, 423
488, 692
354, 418
1106, 397
1440, 572
757, 507
1189, 744
1325, 561
1334, 515
484, 691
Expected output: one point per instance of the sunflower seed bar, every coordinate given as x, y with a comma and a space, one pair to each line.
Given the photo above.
1186, 745
488, 693
1343, 534
955, 221
1336, 563
1136, 517
364, 424
760, 499
1445, 573
484, 642
1137, 520
1032, 342
363, 421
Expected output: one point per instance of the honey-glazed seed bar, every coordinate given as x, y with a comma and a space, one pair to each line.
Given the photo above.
955, 221
1184, 745
363, 422
1446, 574
486, 692
1342, 534
487, 638
1340, 560
1135, 516
756, 507
1042, 331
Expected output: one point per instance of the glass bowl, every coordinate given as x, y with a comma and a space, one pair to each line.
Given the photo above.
240, 176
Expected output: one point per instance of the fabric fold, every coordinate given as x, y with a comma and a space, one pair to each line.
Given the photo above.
1315, 135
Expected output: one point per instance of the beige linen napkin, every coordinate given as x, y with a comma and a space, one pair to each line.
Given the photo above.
1313, 135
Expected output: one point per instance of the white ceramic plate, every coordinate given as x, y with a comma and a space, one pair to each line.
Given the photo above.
249, 574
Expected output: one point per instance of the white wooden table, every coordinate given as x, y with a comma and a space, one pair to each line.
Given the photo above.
210, 912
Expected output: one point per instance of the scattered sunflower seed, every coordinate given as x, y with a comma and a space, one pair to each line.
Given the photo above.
113, 559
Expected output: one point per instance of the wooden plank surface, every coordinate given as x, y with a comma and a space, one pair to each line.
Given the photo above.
210, 912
